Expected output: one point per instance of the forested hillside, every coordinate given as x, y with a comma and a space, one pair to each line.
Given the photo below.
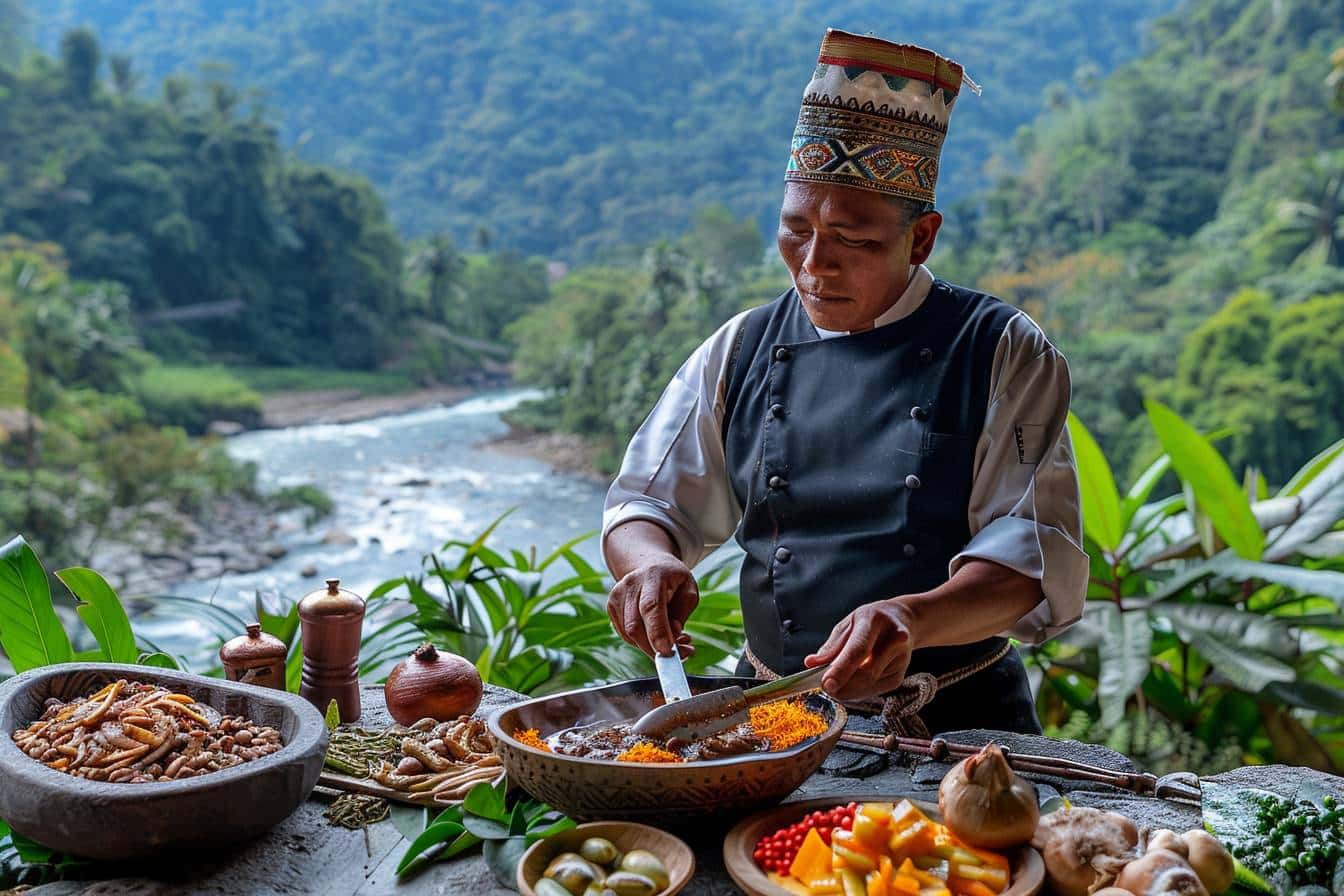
1182, 233
566, 128
1179, 234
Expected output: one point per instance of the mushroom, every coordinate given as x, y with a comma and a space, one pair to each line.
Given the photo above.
1084, 848
1161, 872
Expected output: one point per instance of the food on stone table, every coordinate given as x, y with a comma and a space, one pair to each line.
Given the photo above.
137, 733
434, 685
1210, 859
882, 849
1164, 839
1291, 844
430, 762
1084, 848
985, 803
771, 726
776, 852
599, 867
1160, 872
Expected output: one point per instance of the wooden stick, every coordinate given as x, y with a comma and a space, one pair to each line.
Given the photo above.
941, 750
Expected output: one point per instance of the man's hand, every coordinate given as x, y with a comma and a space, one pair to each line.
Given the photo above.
650, 605
869, 651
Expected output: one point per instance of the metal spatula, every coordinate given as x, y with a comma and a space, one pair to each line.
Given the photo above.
718, 710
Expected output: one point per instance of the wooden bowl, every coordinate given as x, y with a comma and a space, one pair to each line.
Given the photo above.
1025, 864
627, 835
100, 820
665, 793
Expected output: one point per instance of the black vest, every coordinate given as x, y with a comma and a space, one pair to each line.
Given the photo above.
852, 459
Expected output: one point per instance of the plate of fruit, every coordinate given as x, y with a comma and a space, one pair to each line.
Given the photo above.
883, 846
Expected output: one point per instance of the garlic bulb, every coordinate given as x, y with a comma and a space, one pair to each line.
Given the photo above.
986, 804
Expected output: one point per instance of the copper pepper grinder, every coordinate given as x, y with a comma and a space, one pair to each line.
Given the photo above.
333, 620
255, 658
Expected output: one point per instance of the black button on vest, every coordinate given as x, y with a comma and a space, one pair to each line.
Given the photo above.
879, 452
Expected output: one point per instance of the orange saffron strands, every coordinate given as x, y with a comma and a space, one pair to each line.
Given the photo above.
785, 723
647, 752
532, 738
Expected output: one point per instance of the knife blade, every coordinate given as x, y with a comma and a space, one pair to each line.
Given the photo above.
672, 677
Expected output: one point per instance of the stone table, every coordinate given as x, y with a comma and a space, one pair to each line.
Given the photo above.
305, 854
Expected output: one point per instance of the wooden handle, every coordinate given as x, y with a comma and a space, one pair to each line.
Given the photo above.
788, 686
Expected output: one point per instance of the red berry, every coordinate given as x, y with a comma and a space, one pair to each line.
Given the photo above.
848, 823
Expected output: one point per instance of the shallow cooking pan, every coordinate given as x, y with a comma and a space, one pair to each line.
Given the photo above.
658, 792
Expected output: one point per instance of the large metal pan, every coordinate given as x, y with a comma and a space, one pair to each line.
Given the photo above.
659, 792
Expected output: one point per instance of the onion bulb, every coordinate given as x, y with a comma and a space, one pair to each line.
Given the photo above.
986, 804
432, 685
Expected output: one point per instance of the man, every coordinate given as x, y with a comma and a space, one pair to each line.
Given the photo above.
889, 449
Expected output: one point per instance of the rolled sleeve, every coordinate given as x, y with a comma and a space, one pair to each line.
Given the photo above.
674, 472
1024, 511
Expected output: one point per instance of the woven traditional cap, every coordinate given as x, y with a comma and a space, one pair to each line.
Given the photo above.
874, 116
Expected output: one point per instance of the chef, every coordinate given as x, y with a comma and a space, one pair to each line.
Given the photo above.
888, 449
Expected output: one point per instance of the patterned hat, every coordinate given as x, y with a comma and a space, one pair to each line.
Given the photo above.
874, 116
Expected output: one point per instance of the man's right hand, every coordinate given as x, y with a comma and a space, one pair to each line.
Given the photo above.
650, 605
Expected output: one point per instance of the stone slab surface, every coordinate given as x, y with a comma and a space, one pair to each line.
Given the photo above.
305, 855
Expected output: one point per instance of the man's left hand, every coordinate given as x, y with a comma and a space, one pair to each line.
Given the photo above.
869, 651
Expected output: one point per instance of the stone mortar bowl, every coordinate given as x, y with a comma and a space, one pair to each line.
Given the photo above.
100, 820
657, 793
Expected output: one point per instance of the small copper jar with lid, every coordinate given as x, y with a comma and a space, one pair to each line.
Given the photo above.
255, 658
333, 621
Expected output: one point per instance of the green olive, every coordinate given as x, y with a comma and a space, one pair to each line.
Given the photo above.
594, 889
627, 883
599, 850
547, 887
643, 862
574, 873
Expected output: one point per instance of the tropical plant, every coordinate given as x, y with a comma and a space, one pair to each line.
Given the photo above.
1218, 606
540, 625
31, 632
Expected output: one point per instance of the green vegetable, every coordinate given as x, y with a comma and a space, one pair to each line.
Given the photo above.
1281, 845
485, 817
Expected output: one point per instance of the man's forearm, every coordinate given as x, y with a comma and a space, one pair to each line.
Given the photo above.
982, 600
636, 543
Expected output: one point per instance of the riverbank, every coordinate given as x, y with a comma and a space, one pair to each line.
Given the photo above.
316, 406
565, 452
239, 534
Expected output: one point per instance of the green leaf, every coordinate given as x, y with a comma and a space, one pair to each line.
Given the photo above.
1215, 488
282, 625
294, 667
487, 800
1313, 468
411, 821
503, 857
102, 612
332, 716
487, 828
1124, 656
158, 660
434, 835
1233, 626
30, 630
1318, 518
1102, 520
559, 826
1307, 695
1142, 488
1322, 582
1248, 670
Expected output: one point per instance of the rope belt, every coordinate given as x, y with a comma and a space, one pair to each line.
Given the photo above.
900, 709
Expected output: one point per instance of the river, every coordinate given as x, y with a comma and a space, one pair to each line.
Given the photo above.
402, 485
